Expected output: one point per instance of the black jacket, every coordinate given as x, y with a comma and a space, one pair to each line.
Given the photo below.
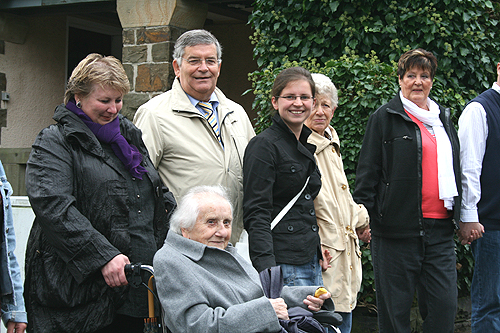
80, 197
389, 173
275, 169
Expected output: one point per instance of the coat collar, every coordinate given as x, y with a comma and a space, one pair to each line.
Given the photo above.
75, 128
190, 248
395, 106
322, 142
183, 106
303, 146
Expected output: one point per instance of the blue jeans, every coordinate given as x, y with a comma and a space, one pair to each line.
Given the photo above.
346, 323
308, 274
485, 290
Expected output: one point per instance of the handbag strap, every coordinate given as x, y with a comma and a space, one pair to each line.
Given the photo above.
288, 206
272, 281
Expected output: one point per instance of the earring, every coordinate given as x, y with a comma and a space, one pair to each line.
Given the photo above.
79, 105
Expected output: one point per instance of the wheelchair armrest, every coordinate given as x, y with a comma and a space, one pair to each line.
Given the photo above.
326, 317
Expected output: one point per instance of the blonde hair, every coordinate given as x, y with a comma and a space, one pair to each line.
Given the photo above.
96, 70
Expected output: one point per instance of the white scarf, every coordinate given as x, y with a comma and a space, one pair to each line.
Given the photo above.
446, 176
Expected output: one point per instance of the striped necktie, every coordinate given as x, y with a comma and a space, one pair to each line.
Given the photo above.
210, 115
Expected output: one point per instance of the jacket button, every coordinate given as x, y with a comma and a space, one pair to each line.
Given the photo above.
7, 230
344, 186
311, 212
290, 228
292, 168
307, 196
314, 228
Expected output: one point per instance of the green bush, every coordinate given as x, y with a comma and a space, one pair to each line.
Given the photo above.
463, 34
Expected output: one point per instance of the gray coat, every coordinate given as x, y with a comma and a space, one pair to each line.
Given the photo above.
205, 289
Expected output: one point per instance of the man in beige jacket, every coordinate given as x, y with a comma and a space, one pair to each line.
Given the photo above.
195, 135
341, 221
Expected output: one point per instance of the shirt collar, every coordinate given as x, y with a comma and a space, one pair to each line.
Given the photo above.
213, 99
496, 87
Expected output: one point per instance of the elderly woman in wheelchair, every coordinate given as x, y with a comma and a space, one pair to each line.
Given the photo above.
205, 286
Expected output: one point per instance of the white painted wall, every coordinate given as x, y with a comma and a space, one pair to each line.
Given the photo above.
35, 72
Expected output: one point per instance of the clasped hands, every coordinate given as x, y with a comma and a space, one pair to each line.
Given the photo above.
469, 232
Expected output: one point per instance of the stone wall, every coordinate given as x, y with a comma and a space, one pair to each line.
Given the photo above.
147, 59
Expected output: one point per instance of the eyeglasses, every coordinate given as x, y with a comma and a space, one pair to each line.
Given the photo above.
292, 98
210, 62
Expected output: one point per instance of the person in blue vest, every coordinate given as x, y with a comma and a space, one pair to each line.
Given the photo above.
11, 284
479, 134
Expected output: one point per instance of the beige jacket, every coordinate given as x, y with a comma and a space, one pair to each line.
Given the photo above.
338, 218
185, 150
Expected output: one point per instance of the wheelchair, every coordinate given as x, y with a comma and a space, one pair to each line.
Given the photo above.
137, 274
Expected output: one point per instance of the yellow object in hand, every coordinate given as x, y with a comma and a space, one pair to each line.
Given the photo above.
320, 291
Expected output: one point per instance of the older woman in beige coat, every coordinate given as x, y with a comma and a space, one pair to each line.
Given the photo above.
341, 221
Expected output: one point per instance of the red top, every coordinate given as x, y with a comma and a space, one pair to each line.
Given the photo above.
432, 206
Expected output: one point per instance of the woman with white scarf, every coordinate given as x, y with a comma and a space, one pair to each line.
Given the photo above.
408, 178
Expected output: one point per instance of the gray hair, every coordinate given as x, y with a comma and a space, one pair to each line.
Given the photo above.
186, 213
324, 86
193, 38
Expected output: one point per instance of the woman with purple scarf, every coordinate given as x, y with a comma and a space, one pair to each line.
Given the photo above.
99, 205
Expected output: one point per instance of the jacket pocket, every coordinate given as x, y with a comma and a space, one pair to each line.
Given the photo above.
52, 285
288, 176
289, 236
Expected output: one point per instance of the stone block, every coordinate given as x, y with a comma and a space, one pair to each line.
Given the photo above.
128, 36
131, 102
153, 77
176, 32
153, 35
162, 52
129, 70
135, 54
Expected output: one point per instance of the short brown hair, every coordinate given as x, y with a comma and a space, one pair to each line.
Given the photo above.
289, 75
98, 70
419, 58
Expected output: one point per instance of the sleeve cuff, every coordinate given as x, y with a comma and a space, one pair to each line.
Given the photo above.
469, 215
15, 316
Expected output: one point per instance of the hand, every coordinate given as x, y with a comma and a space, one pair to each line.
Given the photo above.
364, 234
114, 271
13, 327
469, 232
280, 308
315, 303
325, 262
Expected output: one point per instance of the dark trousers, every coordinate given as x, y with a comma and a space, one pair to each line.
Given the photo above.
124, 324
425, 264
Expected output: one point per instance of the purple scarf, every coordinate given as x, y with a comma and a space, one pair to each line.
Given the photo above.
110, 133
